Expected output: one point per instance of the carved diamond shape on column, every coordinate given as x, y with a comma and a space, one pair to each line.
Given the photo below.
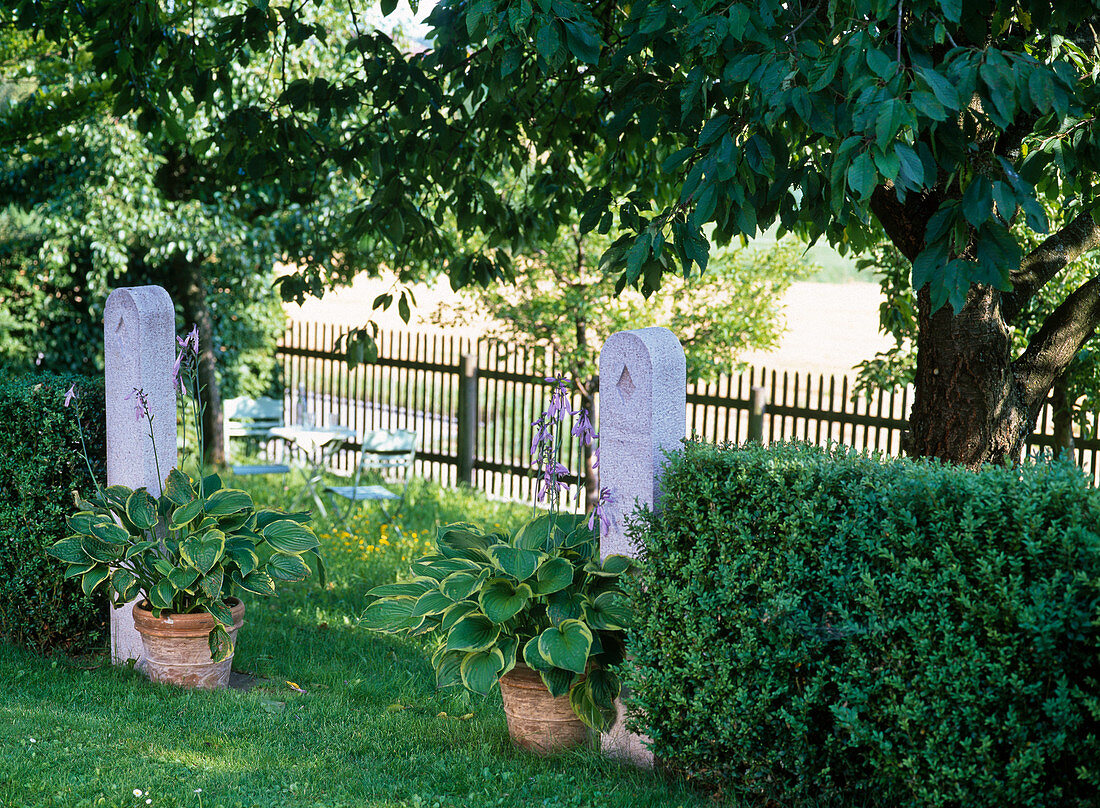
625, 385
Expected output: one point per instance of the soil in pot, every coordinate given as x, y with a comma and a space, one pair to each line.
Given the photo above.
537, 721
177, 647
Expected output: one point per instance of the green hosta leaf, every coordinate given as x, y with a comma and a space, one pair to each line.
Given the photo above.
566, 645
245, 558
390, 615
593, 699
432, 603
234, 522
448, 667
456, 613
185, 514
502, 600
162, 595
163, 566
532, 656
289, 536
284, 567
461, 585
480, 670
118, 494
410, 589
125, 584
520, 564
553, 576
221, 645
110, 532
93, 578
69, 550
204, 552
545, 531
228, 501
612, 566
138, 548
439, 567
259, 583
558, 681
509, 649
210, 484
99, 550
82, 522
141, 509
562, 606
425, 624
76, 570
179, 487
183, 578
610, 611
474, 632
265, 517
455, 538
211, 584
220, 611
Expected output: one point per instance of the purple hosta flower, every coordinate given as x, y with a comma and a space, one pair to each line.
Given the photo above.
177, 377
559, 401
191, 340
141, 403
596, 456
542, 436
70, 395
551, 483
583, 428
600, 511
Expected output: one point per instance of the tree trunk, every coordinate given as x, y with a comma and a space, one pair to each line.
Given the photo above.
1063, 418
192, 298
968, 407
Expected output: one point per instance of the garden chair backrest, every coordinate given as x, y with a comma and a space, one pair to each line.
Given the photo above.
391, 451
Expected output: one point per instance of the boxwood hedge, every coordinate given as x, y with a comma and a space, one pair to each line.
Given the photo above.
818, 627
40, 466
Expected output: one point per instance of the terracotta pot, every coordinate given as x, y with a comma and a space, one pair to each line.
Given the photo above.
177, 647
537, 721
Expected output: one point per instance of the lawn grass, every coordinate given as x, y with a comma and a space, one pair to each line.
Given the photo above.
369, 730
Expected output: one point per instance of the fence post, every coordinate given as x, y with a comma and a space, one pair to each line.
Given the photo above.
756, 414
467, 417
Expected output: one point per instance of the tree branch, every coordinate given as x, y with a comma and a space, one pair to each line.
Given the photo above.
1051, 350
1047, 260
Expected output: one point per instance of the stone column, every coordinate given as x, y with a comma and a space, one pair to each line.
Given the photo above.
139, 326
643, 413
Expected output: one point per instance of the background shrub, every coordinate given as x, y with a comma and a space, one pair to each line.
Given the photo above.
822, 625
40, 465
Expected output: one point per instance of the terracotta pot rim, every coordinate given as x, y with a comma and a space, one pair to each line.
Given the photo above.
197, 624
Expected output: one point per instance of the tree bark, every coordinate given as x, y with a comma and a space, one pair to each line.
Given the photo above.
191, 293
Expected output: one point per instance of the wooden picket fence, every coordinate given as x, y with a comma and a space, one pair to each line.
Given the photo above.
472, 404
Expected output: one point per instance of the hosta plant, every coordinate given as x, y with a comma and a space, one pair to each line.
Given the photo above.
540, 596
192, 547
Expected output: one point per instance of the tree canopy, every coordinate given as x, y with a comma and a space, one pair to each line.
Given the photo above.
669, 124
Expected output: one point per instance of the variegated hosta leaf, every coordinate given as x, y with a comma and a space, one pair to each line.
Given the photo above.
203, 552
220, 611
456, 613
411, 589
211, 584
75, 570
474, 632
447, 668
533, 658
502, 600
162, 595
558, 681
227, 501
285, 567
516, 562
612, 566
99, 550
566, 645
183, 578
390, 615
592, 700
141, 509
81, 523
289, 536
258, 583
69, 550
610, 611
439, 567
432, 602
179, 487
93, 578
509, 647
562, 606
246, 559
552, 576
461, 585
480, 670
125, 585
221, 646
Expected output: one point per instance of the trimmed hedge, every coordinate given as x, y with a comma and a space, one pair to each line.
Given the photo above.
825, 628
40, 465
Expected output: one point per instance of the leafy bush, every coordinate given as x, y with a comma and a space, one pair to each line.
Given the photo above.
40, 465
821, 625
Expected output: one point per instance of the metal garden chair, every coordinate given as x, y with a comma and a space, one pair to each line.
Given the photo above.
388, 452
253, 419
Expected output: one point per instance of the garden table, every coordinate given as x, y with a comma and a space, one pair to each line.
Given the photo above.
318, 444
